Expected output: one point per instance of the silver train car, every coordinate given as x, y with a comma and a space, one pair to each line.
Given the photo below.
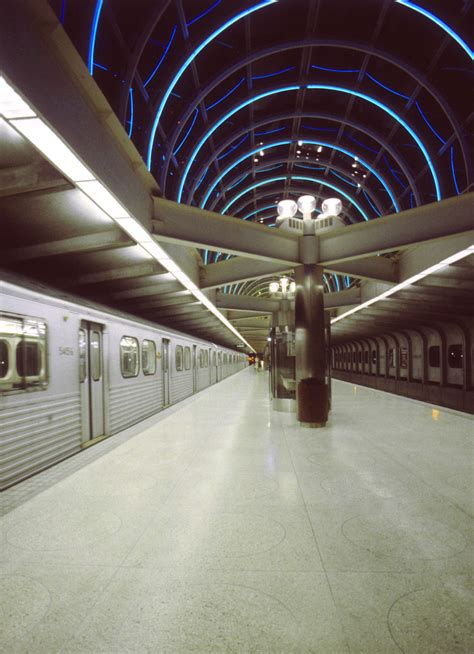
72, 373
432, 363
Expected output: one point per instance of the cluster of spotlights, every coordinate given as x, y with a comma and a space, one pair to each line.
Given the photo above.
284, 286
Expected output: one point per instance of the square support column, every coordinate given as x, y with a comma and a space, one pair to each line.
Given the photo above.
312, 392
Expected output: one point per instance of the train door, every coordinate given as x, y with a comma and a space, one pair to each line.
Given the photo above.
165, 368
195, 369
209, 363
91, 379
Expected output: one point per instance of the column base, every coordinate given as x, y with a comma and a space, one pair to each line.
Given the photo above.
312, 425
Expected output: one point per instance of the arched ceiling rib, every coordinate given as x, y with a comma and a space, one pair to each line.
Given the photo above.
199, 86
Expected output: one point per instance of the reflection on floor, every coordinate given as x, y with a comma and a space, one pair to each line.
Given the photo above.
225, 527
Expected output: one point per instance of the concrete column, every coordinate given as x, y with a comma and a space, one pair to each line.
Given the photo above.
311, 369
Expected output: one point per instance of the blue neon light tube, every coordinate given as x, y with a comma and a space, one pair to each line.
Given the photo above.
218, 124
183, 67
95, 25
131, 113
440, 23
307, 142
316, 87
302, 178
395, 116
252, 213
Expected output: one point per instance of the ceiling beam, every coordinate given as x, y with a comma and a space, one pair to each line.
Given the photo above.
246, 303
113, 274
239, 269
167, 285
345, 298
378, 268
112, 238
398, 231
179, 223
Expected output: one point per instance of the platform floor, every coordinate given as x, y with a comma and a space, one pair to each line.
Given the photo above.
224, 527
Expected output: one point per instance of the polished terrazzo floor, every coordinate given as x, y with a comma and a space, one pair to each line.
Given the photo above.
225, 527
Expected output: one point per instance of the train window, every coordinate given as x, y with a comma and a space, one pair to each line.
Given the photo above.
390, 357
28, 359
403, 357
4, 359
95, 356
82, 345
129, 362
353, 356
366, 356
455, 356
148, 357
187, 358
23, 343
360, 356
434, 356
179, 357
214, 358
207, 359
374, 356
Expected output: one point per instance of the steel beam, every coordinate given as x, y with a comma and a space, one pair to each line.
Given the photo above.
168, 285
342, 298
238, 269
179, 223
398, 231
377, 268
246, 303
113, 274
112, 238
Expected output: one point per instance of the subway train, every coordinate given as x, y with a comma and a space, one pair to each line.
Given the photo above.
72, 372
430, 363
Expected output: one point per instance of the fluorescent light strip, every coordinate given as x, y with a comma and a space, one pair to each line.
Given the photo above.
192, 56
102, 197
305, 142
440, 23
11, 104
53, 148
411, 280
324, 87
135, 230
316, 180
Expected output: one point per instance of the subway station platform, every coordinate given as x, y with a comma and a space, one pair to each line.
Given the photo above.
224, 527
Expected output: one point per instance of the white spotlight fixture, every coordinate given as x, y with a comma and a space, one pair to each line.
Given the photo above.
284, 287
261, 153
300, 143
274, 287
332, 206
306, 204
287, 208
320, 149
